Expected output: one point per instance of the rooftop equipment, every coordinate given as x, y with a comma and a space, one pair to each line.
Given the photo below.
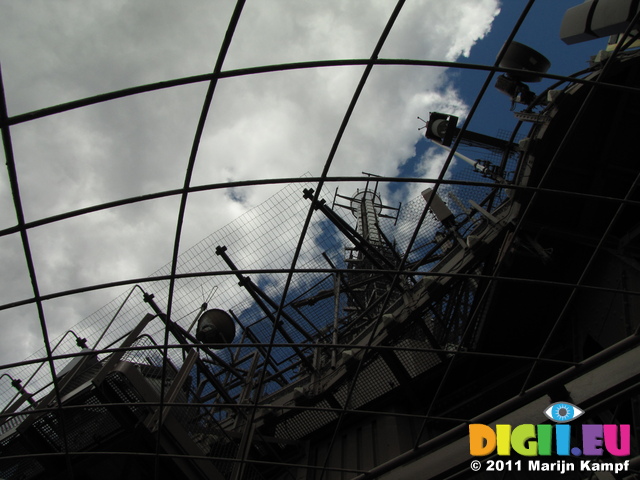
215, 326
526, 65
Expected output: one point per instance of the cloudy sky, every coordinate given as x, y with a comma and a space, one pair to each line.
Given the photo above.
270, 125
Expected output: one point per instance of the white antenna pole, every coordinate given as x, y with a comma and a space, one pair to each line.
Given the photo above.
476, 164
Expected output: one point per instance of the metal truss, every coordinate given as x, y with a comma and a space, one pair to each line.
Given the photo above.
412, 325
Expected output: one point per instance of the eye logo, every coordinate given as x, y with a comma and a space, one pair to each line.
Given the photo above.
562, 412
531, 440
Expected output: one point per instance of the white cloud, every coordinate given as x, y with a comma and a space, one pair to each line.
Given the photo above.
260, 126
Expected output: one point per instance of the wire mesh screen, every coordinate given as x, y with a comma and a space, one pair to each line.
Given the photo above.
351, 323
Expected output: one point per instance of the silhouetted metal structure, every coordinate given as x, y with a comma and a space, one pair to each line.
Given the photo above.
483, 300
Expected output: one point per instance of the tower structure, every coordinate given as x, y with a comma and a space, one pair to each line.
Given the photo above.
373, 252
321, 365
366, 206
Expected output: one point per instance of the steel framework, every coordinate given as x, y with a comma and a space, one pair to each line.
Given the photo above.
366, 347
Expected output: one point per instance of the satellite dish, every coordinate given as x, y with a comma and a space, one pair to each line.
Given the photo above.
441, 127
521, 57
215, 326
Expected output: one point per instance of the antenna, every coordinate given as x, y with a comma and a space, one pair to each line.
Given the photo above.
349, 339
442, 129
486, 168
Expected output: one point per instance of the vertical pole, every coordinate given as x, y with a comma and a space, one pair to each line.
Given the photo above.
336, 312
243, 451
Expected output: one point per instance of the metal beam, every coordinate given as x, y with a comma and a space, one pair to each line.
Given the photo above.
608, 371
